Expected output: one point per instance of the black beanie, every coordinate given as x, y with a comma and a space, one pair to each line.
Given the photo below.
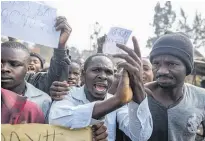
175, 44
39, 57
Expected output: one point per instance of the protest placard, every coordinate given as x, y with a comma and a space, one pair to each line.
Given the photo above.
29, 21
43, 132
116, 35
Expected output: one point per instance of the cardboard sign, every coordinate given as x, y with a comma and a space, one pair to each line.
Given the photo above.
29, 21
116, 35
43, 132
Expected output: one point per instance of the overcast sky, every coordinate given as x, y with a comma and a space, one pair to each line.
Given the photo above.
131, 14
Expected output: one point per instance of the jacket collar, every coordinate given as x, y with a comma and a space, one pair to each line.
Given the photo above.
79, 94
32, 91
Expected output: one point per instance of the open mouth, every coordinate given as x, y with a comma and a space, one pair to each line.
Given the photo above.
100, 87
31, 68
71, 82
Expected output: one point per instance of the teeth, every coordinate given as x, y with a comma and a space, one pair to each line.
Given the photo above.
100, 88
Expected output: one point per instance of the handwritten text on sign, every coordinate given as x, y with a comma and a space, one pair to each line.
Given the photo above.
29, 21
116, 35
43, 132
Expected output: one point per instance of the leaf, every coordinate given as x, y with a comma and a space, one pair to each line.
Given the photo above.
182, 13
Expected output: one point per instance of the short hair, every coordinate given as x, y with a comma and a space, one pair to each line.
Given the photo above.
15, 45
87, 61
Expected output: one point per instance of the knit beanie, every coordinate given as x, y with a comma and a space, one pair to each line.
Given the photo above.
42, 60
175, 44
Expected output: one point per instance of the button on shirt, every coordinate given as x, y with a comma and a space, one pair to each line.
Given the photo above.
75, 111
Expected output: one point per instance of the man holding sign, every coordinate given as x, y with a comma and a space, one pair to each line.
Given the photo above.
15, 61
59, 65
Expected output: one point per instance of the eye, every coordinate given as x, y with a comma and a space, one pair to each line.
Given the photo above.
109, 72
172, 64
145, 69
155, 64
96, 70
15, 64
36, 62
76, 74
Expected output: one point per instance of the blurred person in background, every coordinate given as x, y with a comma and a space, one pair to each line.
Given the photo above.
36, 62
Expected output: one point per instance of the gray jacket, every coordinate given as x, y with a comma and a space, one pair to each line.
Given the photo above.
37, 96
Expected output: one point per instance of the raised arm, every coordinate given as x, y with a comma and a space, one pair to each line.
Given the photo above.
58, 70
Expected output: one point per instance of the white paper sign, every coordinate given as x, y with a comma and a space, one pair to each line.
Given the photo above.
29, 21
116, 35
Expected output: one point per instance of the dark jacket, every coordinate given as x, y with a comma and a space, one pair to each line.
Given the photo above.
58, 71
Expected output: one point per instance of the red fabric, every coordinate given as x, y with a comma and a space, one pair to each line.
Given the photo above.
16, 109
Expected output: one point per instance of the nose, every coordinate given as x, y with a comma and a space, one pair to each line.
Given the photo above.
163, 70
71, 76
32, 63
5, 68
102, 76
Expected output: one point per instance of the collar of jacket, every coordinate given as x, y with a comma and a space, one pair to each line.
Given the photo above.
32, 91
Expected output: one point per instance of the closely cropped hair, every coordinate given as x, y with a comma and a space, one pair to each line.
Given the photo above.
15, 45
90, 58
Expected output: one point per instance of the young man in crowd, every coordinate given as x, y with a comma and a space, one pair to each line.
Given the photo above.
59, 89
17, 109
74, 74
91, 103
177, 108
15, 59
36, 62
58, 70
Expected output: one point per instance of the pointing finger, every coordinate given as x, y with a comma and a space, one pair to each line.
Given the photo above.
136, 46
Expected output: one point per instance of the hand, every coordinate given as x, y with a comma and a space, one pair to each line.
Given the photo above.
133, 66
58, 90
62, 24
124, 92
99, 132
100, 42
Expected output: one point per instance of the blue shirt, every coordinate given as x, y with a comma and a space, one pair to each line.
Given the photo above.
75, 111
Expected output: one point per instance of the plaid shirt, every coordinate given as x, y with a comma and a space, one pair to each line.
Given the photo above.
16, 109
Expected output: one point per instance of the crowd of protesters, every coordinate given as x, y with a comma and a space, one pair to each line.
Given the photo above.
122, 97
